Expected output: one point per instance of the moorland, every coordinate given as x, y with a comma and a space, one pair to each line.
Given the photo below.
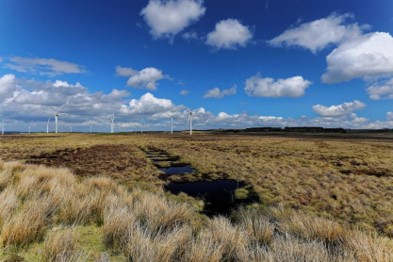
104, 197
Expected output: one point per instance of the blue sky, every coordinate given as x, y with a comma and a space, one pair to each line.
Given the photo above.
238, 63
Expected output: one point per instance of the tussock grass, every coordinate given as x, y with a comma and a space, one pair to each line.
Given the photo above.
8, 203
145, 226
26, 226
61, 246
157, 213
315, 228
259, 230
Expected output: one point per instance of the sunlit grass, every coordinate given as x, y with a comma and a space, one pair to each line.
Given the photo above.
125, 224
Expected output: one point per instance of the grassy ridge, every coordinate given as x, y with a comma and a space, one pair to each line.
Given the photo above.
48, 214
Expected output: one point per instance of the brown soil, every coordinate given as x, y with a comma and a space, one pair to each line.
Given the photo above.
119, 161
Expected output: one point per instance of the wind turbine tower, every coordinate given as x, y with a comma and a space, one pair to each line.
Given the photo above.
190, 113
47, 125
112, 118
56, 122
171, 116
2, 125
57, 118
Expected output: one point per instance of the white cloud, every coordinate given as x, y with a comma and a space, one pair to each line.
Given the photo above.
146, 78
269, 87
30, 100
357, 119
389, 116
125, 71
338, 110
370, 55
382, 90
223, 116
59, 83
229, 34
318, 34
184, 92
218, 93
43, 66
148, 103
168, 18
7, 86
270, 118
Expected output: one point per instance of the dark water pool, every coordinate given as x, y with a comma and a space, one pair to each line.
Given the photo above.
218, 195
177, 170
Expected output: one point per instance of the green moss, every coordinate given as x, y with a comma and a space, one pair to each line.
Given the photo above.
241, 193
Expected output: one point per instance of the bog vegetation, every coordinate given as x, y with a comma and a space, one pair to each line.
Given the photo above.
321, 200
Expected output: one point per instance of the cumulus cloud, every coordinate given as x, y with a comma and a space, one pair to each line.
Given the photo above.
146, 78
338, 110
7, 86
229, 34
43, 66
148, 103
369, 55
168, 18
125, 71
382, 90
218, 93
318, 34
36, 100
268, 87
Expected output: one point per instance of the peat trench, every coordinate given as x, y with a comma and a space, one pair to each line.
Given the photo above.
220, 196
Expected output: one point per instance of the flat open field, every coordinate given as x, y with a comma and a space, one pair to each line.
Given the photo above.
347, 178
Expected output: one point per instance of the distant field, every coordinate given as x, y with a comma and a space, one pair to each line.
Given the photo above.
348, 178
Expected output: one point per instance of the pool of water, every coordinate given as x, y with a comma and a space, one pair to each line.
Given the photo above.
218, 195
177, 170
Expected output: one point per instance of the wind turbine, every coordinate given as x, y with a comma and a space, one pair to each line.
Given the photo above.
189, 121
56, 119
47, 125
112, 118
2, 124
171, 116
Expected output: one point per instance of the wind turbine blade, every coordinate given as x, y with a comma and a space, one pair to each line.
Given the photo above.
60, 108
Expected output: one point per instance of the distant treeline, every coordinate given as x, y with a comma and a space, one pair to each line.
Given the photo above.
308, 129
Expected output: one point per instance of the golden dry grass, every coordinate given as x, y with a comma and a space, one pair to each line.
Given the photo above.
61, 246
144, 226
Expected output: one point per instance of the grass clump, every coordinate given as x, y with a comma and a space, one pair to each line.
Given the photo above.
61, 246
26, 226
241, 193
